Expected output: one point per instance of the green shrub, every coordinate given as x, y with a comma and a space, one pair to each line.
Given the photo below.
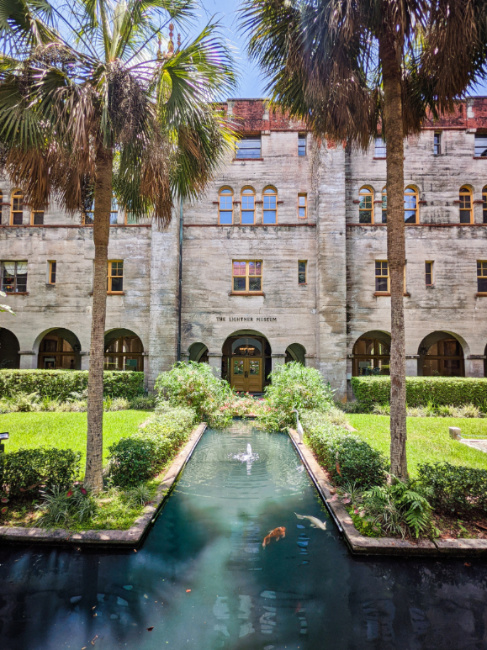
440, 391
63, 508
294, 386
131, 461
62, 384
348, 458
194, 384
24, 471
143, 403
455, 490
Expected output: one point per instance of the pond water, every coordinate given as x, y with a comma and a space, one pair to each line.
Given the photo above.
203, 579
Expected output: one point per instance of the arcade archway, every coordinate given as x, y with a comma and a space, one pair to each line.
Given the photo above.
9, 349
198, 352
296, 352
441, 354
246, 361
371, 354
59, 349
123, 351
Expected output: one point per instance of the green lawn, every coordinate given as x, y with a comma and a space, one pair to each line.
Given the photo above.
66, 430
428, 439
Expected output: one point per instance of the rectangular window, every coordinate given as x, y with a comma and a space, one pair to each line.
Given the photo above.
302, 144
37, 217
428, 274
380, 148
114, 212
484, 205
302, 206
437, 143
302, 272
249, 147
14, 277
382, 276
115, 276
482, 276
481, 146
51, 272
225, 207
247, 276
17, 209
270, 207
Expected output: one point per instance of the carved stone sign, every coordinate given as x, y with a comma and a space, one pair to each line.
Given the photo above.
246, 319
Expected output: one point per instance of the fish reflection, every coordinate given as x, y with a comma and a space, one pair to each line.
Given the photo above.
276, 534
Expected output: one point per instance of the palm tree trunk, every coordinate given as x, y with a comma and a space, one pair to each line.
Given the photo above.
101, 233
396, 247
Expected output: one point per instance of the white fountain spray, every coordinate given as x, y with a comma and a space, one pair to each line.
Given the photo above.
248, 458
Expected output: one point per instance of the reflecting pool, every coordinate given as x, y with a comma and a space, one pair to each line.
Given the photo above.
203, 579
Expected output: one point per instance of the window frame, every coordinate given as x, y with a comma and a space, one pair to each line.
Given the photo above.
15, 194
51, 272
250, 192
437, 143
414, 193
366, 191
465, 193
15, 276
247, 290
269, 192
381, 276
248, 138
380, 148
303, 195
383, 195
430, 273
113, 203
300, 272
482, 277
33, 214
302, 145
110, 277
221, 195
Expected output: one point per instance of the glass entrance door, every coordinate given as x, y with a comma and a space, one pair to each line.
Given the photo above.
246, 374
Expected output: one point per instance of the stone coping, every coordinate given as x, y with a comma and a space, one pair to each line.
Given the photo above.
362, 545
131, 537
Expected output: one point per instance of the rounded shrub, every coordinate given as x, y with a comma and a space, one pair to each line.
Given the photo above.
131, 461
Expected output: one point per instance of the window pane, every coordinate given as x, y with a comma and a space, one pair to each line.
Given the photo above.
38, 218
302, 213
248, 202
117, 284
365, 216
239, 268
248, 148
270, 216
226, 218
17, 218
239, 284
464, 216
381, 284
302, 144
225, 202
481, 145
255, 284
380, 148
302, 200
247, 218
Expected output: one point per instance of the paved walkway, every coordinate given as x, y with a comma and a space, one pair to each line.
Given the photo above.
481, 445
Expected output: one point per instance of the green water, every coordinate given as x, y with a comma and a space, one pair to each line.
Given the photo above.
202, 579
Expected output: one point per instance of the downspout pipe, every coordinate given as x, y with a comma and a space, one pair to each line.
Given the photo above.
180, 281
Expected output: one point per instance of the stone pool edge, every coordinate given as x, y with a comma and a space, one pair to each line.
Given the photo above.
131, 537
362, 545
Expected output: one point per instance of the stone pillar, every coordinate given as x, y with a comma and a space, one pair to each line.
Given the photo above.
412, 365
85, 360
474, 365
277, 360
27, 359
215, 361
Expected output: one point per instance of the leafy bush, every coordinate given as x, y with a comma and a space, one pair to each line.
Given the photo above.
61, 384
441, 391
348, 458
131, 461
62, 508
294, 386
137, 496
455, 490
399, 509
143, 403
194, 384
23, 472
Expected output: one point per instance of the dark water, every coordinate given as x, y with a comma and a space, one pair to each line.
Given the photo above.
302, 592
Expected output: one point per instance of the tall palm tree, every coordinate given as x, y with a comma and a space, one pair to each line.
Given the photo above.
90, 104
352, 68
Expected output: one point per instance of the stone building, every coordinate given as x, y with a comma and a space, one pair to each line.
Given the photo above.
283, 258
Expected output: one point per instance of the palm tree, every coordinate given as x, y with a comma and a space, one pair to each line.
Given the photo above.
89, 104
352, 68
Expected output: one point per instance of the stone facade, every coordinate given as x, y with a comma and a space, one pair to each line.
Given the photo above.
323, 317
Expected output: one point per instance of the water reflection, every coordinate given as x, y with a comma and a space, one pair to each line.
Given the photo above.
202, 579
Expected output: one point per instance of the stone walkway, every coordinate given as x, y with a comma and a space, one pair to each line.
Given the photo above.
481, 445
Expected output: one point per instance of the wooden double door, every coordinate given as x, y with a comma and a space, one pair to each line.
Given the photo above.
247, 374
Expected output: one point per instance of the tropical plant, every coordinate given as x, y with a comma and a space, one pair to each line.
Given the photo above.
354, 70
90, 106
6, 308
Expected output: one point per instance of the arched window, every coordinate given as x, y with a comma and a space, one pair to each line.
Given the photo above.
270, 206
484, 204
411, 205
384, 205
466, 205
248, 206
366, 205
17, 208
225, 206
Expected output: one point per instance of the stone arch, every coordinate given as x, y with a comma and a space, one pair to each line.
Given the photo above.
9, 349
442, 354
247, 360
198, 352
124, 350
371, 354
58, 349
296, 352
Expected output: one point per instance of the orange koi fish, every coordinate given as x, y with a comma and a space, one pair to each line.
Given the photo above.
276, 534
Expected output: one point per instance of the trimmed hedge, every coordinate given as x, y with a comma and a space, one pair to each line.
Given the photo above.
456, 491
59, 384
420, 391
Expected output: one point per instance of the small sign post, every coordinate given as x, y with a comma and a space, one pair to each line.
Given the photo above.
3, 436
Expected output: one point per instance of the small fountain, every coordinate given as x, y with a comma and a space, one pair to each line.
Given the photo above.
249, 457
